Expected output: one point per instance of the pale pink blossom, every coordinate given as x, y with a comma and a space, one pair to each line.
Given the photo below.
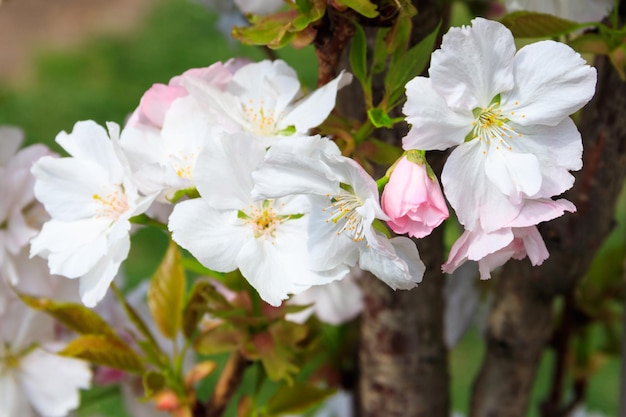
517, 239
494, 249
21, 215
413, 199
155, 102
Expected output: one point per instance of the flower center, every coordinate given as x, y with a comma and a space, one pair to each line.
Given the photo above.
113, 205
183, 164
343, 213
263, 219
490, 126
261, 118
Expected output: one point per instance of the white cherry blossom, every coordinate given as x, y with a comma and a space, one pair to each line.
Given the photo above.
227, 229
344, 207
163, 160
265, 99
506, 113
90, 197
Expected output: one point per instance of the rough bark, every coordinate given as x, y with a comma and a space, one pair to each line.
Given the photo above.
403, 360
520, 322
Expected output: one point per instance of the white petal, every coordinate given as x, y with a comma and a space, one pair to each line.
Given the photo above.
12, 398
399, 266
534, 244
517, 175
327, 247
66, 186
91, 142
83, 244
311, 111
552, 81
541, 210
474, 64
543, 141
214, 237
478, 202
334, 303
52, 382
298, 169
95, 283
435, 125
223, 175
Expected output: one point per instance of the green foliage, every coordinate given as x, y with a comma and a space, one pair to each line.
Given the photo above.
358, 55
364, 7
104, 350
166, 293
280, 29
379, 118
153, 382
409, 65
296, 398
525, 24
75, 316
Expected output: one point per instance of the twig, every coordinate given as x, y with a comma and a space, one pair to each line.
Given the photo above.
227, 385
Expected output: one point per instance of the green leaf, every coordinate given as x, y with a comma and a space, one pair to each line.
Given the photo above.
277, 359
104, 350
380, 152
398, 36
166, 293
75, 316
364, 7
379, 118
153, 382
314, 13
409, 65
296, 398
525, 24
358, 55
406, 7
219, 339
270, 30
590, 43
204, 297
379, 58
150, 347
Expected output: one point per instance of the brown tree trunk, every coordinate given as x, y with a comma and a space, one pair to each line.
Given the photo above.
520, 322
403, 359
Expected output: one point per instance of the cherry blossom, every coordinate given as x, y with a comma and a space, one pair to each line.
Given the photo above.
344, 210
90, 197
227, 229
413, 199
265, 99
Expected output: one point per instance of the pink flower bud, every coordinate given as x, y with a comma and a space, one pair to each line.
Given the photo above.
413, 201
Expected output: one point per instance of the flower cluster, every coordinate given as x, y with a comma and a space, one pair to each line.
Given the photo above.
283, 207
506, 114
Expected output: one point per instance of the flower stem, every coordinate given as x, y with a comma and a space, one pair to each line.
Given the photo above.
227, 385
